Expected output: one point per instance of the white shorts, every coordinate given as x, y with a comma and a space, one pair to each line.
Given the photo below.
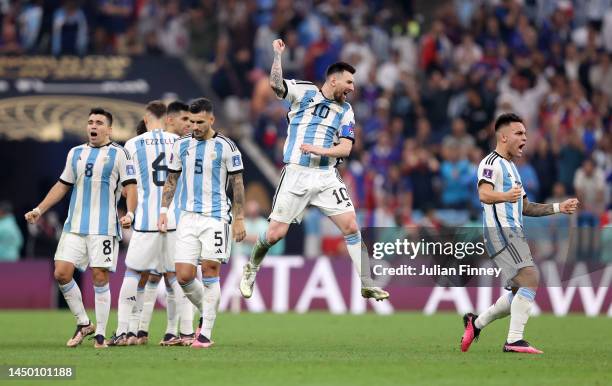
96, 251
151, 251
301, 186
200, 237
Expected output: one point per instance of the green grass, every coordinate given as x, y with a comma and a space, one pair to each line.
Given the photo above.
320, 349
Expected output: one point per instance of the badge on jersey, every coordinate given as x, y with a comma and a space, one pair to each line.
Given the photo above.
348, 130
236, 161
487, 173
130, 170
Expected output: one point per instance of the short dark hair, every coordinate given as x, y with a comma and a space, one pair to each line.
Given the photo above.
157, 108
141, 127
506, 119
339, 67
101, 111
199, 105
177, 107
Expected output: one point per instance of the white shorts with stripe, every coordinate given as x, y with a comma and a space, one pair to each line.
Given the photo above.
151, 251
301, 186
514, 256
200, 237
96, 251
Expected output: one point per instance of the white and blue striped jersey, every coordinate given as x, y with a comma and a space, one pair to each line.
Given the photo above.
314, 119
205, 167
95, 174
502, 219
150, 153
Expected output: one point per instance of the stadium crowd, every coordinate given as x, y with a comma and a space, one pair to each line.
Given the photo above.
426, 92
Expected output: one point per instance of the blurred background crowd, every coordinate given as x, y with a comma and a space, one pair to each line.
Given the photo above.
431, 78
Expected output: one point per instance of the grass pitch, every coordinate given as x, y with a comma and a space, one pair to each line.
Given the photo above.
319, 349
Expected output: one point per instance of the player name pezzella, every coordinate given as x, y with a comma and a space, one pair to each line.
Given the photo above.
157, 141
435, 270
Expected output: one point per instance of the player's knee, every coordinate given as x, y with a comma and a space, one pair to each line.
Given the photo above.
154, 278
99, 277
62, 276
210, 269
184, 277
275, 235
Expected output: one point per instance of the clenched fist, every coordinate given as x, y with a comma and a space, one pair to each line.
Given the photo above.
279, 46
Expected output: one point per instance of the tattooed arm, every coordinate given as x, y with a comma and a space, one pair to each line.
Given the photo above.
534, 209
238, 206
167, 196
276, 73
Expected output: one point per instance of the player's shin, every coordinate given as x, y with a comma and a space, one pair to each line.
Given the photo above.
173, 304
72, 294
519, 313
359, 256
260, 249
193, 290
210, 303
102, 304
148, 303
134, 319
127, 300
499, 309
185, 315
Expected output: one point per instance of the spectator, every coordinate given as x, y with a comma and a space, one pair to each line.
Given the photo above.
459, 138
11, 239
529, 177
69, 30
589, 183
114, 18
455, 175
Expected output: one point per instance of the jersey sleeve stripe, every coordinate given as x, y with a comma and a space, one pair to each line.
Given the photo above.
229, 142
286, 89
352, 139
127, 154
128, 182
235, 171
304, 82
65, 182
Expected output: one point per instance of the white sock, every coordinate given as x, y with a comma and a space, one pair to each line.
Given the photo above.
103, 304
360, 260
136, 311
499, 309
127, 301
172, 306
193, 290
148, 302
73, 297
186, 315
519, 313
210, 303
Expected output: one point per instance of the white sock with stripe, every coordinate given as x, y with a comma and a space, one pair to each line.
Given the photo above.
499, 309
173, 304
72, 294
193, 290
519, 313
185, 314
103, 304
360, 259
210, 303
127, 300
136, 311
148, 303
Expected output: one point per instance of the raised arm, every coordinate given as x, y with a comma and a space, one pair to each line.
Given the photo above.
238, 206
534, 209
276, 72
57, 192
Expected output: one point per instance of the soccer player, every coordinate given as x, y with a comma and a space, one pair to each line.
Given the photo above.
149, 249
176, 122
505, 203
205, 160
91, 232
320, 133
